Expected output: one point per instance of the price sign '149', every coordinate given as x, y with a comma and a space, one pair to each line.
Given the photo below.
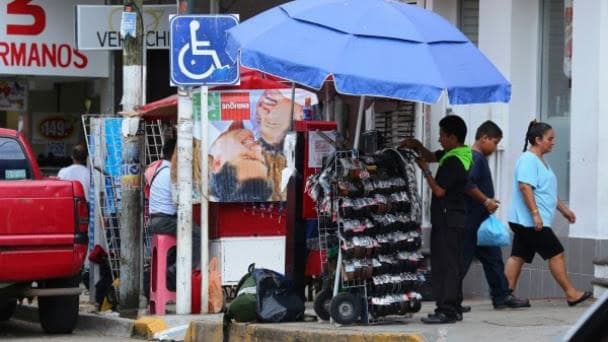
56, 128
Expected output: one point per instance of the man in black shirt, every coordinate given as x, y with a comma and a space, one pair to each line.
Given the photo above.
448, 215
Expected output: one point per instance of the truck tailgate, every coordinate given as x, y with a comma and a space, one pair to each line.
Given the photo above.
37, 230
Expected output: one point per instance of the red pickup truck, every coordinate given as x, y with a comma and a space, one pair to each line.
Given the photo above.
43, 237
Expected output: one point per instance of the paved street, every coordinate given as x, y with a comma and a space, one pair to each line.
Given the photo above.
17, 330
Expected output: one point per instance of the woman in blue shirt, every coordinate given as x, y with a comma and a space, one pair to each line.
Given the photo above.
532, 210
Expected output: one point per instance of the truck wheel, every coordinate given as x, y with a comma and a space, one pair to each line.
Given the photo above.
7, 309
58, 314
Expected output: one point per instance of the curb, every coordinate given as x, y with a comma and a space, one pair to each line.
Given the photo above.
106, 326
212, 331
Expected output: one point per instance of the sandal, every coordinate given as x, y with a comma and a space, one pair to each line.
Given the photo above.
583, 298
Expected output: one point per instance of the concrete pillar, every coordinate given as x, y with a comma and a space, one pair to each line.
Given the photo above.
589, 156
509, 37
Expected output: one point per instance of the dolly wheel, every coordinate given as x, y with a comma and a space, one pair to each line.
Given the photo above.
345, 308
322, 304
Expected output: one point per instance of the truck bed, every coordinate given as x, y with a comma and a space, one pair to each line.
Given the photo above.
39, 238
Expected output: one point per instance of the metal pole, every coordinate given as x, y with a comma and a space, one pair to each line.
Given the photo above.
130, 215
204, 200
184, 195
184, 186
359, 120
214, 8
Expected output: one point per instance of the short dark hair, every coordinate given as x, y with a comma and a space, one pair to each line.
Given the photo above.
536, 129
168, 148
453, 124
225, 186
489, 129
80, 154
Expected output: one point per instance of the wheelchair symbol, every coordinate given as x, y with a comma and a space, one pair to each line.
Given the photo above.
199, 48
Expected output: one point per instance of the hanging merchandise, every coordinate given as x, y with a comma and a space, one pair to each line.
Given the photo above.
371, 204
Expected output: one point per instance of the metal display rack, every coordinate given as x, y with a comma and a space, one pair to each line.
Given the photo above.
378, 277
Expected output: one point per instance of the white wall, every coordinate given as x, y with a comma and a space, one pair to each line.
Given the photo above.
589, 124
524, 71
509, 37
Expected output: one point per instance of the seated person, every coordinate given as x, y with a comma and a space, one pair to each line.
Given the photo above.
163, 212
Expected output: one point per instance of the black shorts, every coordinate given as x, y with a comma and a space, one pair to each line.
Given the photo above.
527, 242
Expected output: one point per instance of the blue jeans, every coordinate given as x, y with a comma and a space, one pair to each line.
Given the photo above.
491, 260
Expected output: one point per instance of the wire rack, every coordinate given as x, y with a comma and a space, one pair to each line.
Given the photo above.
153, 140
103, 138
326, 230
339, 281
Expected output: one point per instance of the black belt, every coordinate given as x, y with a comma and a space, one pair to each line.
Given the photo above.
157, 215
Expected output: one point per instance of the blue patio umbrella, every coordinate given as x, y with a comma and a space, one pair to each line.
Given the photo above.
380, 48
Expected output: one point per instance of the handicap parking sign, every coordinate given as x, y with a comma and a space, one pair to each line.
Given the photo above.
198, 55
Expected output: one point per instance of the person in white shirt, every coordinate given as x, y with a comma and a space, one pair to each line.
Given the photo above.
78, 170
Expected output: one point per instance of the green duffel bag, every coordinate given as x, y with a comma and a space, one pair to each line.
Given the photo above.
243, 306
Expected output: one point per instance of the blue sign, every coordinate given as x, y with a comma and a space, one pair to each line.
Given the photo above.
198, 54
128, 24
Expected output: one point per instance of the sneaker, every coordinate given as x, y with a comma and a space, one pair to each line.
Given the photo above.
511, 301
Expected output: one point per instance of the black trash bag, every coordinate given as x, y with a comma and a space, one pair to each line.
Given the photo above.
277, 300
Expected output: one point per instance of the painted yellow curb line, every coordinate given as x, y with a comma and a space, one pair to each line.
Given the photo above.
147, 326
212, 331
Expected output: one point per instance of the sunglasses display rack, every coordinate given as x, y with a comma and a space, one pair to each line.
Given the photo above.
371, 204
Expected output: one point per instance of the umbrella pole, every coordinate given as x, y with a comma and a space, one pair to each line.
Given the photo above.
327, 118
359, 121
293, 105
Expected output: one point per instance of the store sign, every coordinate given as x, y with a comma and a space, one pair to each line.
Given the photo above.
54, 127
98, 27
13, 96
247, 129
37, 40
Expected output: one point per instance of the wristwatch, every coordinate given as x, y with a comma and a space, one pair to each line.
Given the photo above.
427, 173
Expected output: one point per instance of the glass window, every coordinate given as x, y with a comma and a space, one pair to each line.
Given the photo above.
469, 19
555, 87
13, 163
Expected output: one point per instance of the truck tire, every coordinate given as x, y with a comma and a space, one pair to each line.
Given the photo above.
59, 314
7, 309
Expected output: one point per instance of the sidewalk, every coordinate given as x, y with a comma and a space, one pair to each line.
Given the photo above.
546, 320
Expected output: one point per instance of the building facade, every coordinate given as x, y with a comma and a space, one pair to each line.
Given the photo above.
554, 53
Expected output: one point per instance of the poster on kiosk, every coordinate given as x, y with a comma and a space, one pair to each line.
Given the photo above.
247, 129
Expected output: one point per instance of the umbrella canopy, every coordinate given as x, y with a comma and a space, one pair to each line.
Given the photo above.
380, 48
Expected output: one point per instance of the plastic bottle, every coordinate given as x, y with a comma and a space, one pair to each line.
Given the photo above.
307, 109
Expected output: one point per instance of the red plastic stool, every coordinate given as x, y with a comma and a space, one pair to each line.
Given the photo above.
159, 294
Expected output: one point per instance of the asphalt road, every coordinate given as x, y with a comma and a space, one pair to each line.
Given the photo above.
17, 330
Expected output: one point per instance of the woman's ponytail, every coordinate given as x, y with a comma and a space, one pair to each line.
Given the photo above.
530, 125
